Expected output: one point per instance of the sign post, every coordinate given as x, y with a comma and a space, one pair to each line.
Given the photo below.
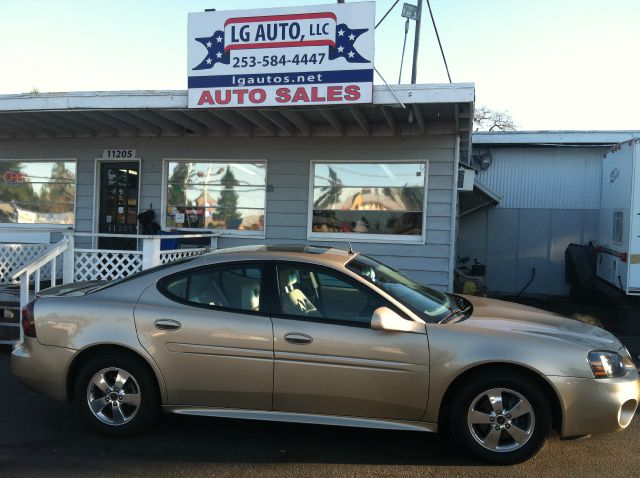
282, 56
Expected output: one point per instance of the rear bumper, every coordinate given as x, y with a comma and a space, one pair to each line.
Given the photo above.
42, 367
596, 406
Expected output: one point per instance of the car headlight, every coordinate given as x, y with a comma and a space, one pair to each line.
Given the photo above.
606, 364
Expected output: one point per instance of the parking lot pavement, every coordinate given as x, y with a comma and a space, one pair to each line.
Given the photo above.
41, 437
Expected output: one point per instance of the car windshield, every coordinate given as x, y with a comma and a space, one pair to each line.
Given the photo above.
429, 304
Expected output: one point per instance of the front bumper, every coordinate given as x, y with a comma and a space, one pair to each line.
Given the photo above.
597, 406
42, 367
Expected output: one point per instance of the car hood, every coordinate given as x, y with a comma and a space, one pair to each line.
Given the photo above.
510, 318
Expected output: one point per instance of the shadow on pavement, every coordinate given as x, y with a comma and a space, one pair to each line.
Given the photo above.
35, 422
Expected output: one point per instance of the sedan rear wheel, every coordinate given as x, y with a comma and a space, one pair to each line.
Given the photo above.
501, 418
116, 395
113, 396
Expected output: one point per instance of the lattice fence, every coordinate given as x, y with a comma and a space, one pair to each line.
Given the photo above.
105, 264
15, 256
176, 254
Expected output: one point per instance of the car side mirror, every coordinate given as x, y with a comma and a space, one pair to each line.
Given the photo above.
386, 319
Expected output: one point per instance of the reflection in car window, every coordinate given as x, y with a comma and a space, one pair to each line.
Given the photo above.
178, 287
310, 292
430, 305
230, 287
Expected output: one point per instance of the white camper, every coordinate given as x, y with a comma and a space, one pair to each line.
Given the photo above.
619, 226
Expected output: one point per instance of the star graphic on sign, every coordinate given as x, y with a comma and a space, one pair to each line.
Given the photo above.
345, 46
215, 51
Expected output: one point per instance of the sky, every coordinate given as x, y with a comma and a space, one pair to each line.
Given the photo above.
552, 64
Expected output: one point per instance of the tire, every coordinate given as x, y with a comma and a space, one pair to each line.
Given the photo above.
116, 395
486, 428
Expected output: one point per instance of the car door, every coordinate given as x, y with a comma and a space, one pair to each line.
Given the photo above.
210, 333
328, 360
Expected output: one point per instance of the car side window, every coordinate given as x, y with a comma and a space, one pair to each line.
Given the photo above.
306, 291
229, 287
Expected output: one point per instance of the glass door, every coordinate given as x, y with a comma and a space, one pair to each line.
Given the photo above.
118, 212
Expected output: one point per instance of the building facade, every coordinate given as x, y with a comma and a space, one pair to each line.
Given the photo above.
548, 184
381, 177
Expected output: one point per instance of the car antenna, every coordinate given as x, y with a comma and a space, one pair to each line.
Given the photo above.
351, 251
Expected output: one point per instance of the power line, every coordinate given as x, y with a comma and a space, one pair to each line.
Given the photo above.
388, 12
444, 58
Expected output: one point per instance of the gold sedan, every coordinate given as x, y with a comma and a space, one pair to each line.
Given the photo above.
324, 336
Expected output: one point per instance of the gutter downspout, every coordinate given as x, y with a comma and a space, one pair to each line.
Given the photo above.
454, 214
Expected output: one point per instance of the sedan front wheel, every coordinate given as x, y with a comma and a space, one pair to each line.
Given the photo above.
501, 418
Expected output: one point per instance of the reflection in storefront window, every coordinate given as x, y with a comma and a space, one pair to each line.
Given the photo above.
369, 198
216, 195
37, 192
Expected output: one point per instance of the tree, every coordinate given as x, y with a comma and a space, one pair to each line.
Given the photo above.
330, 195
60, 192
486, 119
228, 201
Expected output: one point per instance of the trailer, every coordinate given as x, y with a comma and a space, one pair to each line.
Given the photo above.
618, 242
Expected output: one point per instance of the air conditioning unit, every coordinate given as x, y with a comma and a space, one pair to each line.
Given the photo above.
465, 179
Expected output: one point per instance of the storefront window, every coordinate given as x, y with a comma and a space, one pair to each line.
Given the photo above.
215, 195
37, 192
368, 199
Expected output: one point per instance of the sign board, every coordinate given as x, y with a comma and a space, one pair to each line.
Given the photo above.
282, 56
14, 177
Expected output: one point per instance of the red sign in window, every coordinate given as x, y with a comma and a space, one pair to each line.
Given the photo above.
14, 177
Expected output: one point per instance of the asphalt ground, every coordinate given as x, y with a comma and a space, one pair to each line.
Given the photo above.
40, 437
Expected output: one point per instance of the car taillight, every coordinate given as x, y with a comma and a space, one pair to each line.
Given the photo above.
29, 320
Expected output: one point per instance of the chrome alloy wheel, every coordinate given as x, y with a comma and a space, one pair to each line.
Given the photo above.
113, 396
501, 420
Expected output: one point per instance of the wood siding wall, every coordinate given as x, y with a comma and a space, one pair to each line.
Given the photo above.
288, 165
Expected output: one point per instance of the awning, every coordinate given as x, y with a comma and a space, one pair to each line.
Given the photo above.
479, 198
402, 110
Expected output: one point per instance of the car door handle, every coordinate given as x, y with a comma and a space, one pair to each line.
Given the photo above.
167, 324
298, 338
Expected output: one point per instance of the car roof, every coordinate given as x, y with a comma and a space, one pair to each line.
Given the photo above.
295, 252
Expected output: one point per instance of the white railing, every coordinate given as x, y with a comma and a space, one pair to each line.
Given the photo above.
100, 264
90, 264
105, 264
50, 257
177, 254
15, 256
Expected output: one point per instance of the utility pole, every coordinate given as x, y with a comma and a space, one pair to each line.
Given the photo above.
416, 45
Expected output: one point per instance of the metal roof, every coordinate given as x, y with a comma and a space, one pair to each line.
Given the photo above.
543, 138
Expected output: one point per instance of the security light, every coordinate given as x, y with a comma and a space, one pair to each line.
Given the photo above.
485, 161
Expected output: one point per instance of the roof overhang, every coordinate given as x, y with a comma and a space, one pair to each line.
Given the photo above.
553, 138
399, 110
